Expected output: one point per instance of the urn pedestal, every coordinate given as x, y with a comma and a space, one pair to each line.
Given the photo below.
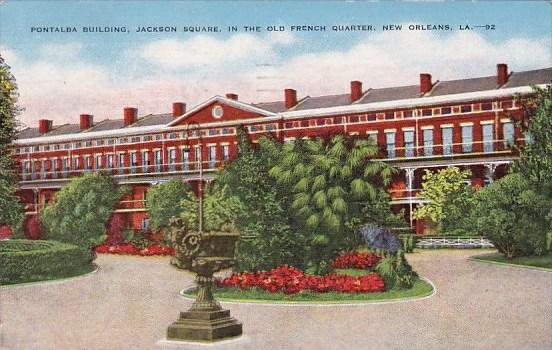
204, 254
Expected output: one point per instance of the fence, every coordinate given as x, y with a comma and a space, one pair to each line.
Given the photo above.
453, 242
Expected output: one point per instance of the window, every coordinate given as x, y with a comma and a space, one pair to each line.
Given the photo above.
389, 115
121, 162
338, 120
225, 152
212, 157
98, 163
487, 138
36, 148
446, 110
506, 104
288, 125
76, 163
88, 144
373, 135
67, 146
24, 169
100, 142
407, 114
43, 169
466, 108
185, 159
353, 119
147, 138
427, 112
111, 141
390, 141
487, 106
33, 170
87, 164
447, 140
157, 160
254, 128
56, 147
197, 155
172, 159
321, 122
54, 168
27, 149
428, 142
46, 147
269, 127
76, 145
409, 143
145, 224
135, 139
64, 164
304, 123
133, 162
508, 131
467, 138
227, 131
123, 140
371, 117
145, 162
110, 163
158, 137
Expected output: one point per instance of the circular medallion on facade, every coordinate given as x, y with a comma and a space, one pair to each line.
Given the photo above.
217, 112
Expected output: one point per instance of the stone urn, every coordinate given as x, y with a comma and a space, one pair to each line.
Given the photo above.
203, 253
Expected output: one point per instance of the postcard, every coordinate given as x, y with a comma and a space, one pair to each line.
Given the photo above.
275, 175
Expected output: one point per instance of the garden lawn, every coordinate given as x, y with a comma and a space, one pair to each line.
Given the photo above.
544, 261
420, 288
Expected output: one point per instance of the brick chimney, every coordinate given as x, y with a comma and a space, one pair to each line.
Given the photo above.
290, 98
356, 90
178, 109
85, 121
232, 96
131, 115
44, 126
425, 83
501, 74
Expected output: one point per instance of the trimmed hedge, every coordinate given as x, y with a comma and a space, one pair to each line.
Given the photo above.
27, 261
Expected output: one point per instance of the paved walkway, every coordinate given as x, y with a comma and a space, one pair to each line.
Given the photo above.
129, 302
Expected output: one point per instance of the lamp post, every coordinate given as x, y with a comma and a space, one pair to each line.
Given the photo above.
197, 127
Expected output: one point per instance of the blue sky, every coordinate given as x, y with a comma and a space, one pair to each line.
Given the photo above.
99, 73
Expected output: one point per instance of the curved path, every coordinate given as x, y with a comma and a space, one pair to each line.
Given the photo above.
128, 303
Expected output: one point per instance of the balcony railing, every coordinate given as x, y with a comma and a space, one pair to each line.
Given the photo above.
186, 168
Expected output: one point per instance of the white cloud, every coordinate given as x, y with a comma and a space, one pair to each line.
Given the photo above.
205, 50
61, 89
62, 51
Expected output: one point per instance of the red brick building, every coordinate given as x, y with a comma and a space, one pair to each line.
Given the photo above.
435, 124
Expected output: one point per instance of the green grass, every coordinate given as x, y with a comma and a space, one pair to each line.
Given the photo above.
419, 289
544, 261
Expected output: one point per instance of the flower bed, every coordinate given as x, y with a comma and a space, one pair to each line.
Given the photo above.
130, 249
356, 260
290, 280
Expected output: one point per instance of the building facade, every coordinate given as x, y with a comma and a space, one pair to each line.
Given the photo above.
468, 123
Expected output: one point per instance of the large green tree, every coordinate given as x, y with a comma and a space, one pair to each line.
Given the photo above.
163, 201
267, 237
448, 197
11, 211
512, 214
331, 181
81, 210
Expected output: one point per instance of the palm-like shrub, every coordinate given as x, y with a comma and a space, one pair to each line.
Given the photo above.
331, 181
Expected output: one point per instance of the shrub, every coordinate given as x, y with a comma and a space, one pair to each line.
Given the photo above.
396, 272
408, 242
26, 261
163, 202
382, 238
80, 211
513, 216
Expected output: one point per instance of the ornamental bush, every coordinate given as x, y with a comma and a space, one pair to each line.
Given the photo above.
27, 261
81, 210
396, 272
513, 215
